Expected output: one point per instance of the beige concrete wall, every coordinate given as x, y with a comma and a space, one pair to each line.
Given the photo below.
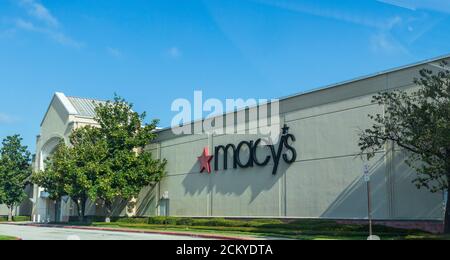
55, 123
24, 209
324, 182
3, 210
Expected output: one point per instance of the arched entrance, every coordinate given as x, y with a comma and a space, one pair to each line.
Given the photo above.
47, 210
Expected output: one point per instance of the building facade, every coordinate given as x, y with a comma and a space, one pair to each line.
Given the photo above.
315, 174
63, 115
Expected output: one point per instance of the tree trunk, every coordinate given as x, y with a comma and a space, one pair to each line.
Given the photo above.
108, 207
83, 209
77, 204
447, 214
56, 212
10, 213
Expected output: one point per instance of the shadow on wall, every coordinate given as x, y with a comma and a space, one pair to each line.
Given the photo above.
235, 182
410, 201
91, 208
118, 208
394, 196
26, 207
352, 202
147, 202
406, 202
145, 205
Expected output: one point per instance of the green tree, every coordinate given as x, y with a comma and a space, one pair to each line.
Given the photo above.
73, 170
89, 153
15, 170
128, 167
104, 163
51, 178
418, 122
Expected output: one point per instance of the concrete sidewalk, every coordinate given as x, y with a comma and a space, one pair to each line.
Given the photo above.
38, 232
135, 231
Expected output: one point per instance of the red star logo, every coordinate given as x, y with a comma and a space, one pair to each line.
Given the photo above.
205, 160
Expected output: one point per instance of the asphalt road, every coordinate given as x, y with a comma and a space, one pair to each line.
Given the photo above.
44, 233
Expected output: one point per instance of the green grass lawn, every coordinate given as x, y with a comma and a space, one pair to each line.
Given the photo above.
272, 228
3, 238
15, 219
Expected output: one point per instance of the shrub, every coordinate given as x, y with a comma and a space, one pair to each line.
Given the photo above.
171, 221
185, 222
217, 222
156, 220
132, 220
220, 222
162, 220
214, 222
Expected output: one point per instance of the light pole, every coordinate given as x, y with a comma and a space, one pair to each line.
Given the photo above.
369, 203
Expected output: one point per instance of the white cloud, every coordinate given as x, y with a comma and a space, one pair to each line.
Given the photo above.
55, 35
384, 43
25, 25
42, 21
174, 52
114, 52
435, 5
381, 40
65, 40
7, 119
399, 3
332, 13
39, 11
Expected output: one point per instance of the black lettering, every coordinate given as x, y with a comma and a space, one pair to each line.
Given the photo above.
225, 156
237, 155
290, 148
277, 155
286, 140
255, 156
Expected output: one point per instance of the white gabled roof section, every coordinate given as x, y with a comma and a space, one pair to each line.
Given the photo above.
61, 97
80, 107
66, 103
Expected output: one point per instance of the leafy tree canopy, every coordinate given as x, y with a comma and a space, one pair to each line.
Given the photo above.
15, 170
417, 121
128, 166
104, 162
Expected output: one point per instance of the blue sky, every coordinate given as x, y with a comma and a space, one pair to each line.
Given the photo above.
155, 51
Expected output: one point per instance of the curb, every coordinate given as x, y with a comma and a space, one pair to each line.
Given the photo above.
138, 231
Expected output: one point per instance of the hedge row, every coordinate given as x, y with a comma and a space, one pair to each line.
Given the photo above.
303, 225
182, 221
15, 218
217, 222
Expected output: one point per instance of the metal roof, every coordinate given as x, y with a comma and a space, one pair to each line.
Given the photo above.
81, 107
85, 107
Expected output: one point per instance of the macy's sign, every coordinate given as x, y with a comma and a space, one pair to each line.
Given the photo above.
276, 154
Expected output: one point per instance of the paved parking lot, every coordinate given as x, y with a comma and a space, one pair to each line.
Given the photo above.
44, 233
